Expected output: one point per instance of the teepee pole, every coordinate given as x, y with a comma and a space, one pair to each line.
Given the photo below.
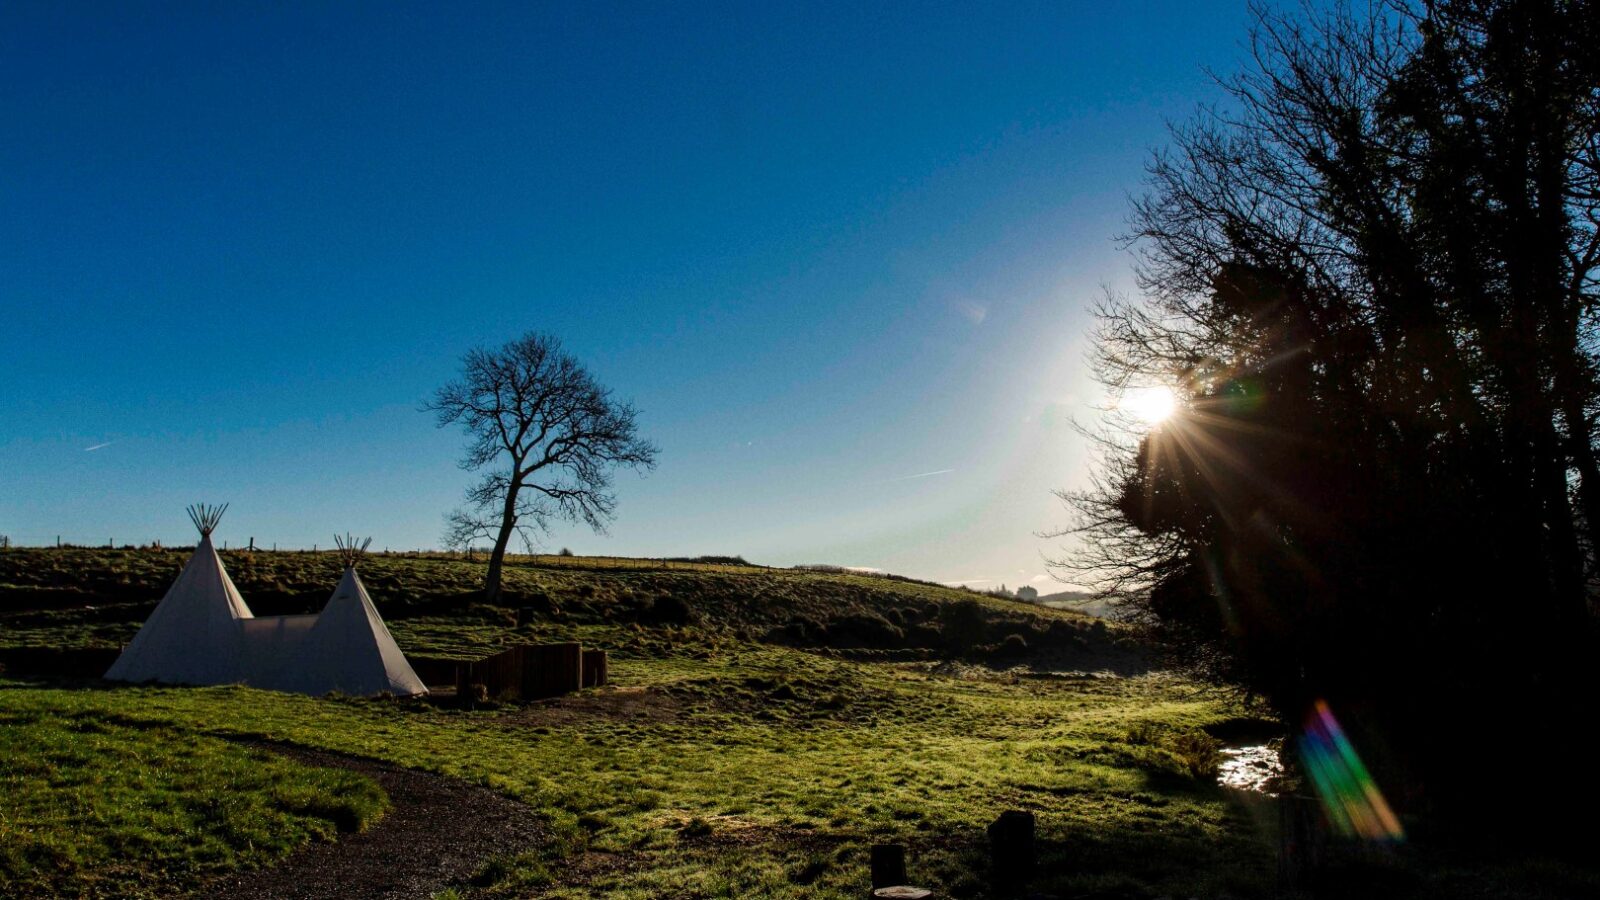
205, 518
351, 549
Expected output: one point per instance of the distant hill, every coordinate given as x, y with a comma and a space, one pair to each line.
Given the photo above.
1080, 601
84, 598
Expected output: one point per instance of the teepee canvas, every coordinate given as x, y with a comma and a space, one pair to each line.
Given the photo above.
267, 643
193, 635
348, 649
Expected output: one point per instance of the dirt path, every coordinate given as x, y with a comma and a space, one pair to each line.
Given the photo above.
438, 833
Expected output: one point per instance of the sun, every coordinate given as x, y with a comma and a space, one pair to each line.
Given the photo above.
1150, 405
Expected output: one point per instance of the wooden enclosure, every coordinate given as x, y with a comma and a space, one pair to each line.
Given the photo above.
533, 672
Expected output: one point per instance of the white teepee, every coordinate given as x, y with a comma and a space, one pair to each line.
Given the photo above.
193, 635
349, 649
267, 643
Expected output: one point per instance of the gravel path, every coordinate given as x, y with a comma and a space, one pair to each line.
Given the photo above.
437, 834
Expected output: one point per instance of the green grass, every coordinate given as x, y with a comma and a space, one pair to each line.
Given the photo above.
722, 761
93, 807
764, 771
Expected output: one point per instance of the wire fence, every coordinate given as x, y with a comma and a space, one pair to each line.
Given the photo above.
723, 564
63, 541
35, 540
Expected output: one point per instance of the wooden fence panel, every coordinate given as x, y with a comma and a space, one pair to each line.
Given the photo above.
534, 671
550, 670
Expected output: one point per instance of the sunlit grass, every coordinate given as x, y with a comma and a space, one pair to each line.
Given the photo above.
778, 768
754, 769
93, 807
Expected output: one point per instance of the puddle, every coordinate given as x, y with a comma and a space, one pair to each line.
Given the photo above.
1253, 767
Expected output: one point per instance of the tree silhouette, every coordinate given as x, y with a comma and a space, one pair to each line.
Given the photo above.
548, 435
1373, 277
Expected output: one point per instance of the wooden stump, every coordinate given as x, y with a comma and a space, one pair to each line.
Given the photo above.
594, 668
888, 865
1011, 855
470, 690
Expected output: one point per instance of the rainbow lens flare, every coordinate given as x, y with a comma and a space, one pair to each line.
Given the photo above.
1349, 796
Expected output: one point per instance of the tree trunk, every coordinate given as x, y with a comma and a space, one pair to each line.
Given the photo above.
1582, 439
497, 558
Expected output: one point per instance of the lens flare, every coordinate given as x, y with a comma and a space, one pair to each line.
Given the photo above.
1350, 797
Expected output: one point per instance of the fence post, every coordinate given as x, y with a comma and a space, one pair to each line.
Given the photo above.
888, 865
594, 668
1011, 850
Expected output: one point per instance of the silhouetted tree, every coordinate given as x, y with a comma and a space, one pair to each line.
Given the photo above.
1373, 279
548, 435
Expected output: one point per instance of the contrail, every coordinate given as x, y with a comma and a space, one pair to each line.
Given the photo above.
923, 475
98, 446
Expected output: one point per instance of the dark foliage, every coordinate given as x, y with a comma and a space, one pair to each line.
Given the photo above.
1373, 284
711, 560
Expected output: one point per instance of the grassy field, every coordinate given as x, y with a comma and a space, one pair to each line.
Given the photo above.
763, 729
759, 771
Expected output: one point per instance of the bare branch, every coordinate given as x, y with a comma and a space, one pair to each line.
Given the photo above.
549, 437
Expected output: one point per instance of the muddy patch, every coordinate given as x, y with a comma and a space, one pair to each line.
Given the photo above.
438, 833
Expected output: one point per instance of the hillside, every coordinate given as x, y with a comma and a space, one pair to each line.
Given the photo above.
87, 598
1080, 601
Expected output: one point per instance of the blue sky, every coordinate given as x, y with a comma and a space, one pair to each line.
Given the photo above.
824, 248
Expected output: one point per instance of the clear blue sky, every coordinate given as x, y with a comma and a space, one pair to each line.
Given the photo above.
822, 247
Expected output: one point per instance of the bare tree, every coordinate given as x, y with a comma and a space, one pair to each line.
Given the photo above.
546, 436
1374, 279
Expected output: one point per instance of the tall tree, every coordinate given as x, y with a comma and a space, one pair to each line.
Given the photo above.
546, 436
1373, 278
